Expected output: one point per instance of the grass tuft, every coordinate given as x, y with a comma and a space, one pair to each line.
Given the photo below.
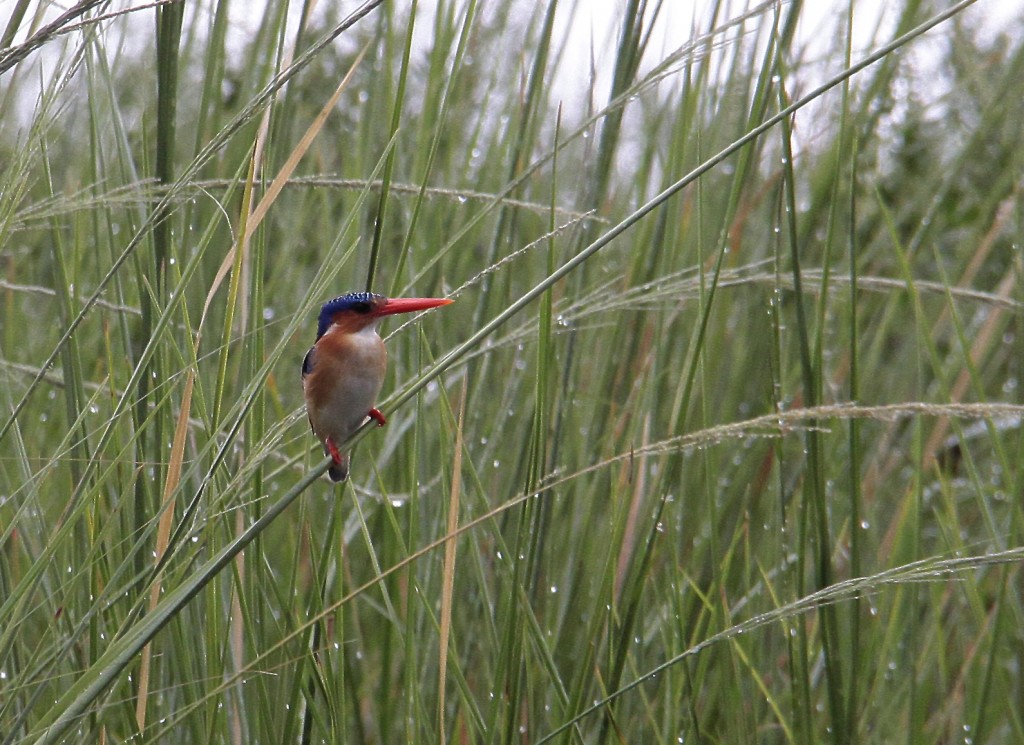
718, 442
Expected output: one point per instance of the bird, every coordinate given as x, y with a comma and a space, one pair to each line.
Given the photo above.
343, 371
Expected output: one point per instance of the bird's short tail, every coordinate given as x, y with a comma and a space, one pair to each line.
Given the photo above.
339, 471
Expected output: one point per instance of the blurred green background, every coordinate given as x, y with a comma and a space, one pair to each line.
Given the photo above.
718, 443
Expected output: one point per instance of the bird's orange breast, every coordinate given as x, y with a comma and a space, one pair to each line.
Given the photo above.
345, 376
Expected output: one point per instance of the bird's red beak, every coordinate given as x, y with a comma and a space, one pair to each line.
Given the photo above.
410, 304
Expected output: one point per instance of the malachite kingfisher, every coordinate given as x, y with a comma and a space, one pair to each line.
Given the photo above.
343, 371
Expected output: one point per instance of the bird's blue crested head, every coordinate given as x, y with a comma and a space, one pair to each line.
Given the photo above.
357, 302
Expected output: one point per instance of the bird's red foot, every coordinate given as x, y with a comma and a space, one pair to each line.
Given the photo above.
376, 416
333, 450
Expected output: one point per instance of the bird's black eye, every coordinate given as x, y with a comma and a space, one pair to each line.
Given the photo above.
361, 307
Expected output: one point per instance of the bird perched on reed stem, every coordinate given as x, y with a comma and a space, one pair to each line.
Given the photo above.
343, 371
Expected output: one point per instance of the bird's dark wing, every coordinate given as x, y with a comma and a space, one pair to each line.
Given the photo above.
307, 367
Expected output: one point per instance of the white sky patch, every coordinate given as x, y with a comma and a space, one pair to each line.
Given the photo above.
591, 31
